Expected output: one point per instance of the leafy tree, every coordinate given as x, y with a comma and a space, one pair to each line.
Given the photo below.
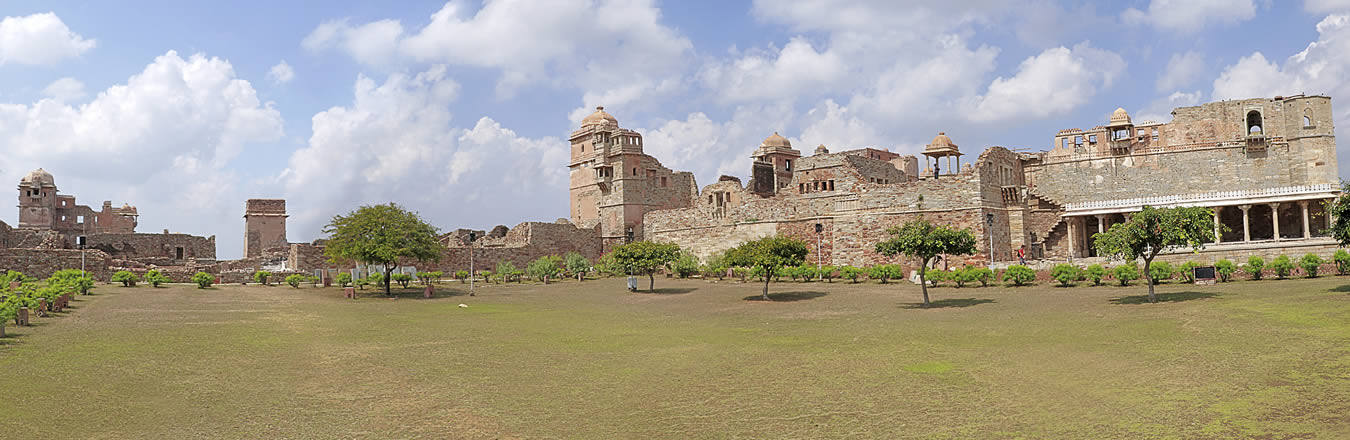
1065, 273
429, 278
543, 268
294, 280
768, 254
487, 275
1254, 266
885, 272
402, 279
1339, 210
716, 266
925, 241
1154, 230
1225, 268
155, 277
577, 265
1019, 275
1282, 266
376, 279
71, 280
981, 274
1095, 273
127, 278
261, 277
506, 270
382, 234
827, 273
1187, 271
644, 258
1310, 264
344, 279
203, 279
851, 273
1126, 273
1160, 271
807, 272
1342, 259
685, 265
460, 275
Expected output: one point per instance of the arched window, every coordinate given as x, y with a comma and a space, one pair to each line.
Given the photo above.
1254, 123
1307, 117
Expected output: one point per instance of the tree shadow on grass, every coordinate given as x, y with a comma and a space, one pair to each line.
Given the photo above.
947, 303
1164, 297
669, 290
1342, 289
786, 296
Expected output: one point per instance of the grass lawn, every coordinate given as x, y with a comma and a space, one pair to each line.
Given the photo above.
1267, 359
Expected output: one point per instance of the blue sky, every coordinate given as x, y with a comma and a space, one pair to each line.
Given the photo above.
461, 109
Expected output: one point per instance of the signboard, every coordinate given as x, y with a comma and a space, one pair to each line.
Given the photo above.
1205, 275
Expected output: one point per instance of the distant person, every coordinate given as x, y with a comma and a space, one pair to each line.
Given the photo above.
1022, 255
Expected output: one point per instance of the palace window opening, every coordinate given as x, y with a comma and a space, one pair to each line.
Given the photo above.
1254, 123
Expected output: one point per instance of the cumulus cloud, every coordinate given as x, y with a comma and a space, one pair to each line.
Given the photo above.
795, 70
1188, 16
161, 140
1182, 69
1160, 110
281, 73
396, 142
1054, 82
64, 89
39, 39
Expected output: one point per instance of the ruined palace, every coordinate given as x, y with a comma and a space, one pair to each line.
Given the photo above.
1266, 166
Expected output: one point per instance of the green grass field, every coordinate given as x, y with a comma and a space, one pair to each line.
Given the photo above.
1268, 359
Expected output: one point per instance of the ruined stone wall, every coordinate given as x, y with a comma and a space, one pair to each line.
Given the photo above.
264, 225
847, 172
144, 246
42, 263
4, 234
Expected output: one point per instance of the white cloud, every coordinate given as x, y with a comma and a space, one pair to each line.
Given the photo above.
1189, 16
396, 142
373, 44
795, 70
1054, 82
39, 39
65, 89
281, 73
1182, 69
1326, 5
161, 140
1160, 110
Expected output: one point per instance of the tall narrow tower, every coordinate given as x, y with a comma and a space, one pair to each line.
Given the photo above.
264, 225
37, 200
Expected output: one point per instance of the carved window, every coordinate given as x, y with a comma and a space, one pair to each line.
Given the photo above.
1254, 123
1307, 118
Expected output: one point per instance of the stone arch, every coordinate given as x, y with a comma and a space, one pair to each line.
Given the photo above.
1308, 120
1254, 123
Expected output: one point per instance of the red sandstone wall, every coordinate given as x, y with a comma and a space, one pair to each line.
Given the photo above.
42, 263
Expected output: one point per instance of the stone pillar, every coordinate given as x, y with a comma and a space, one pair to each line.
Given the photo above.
1275, 219
1073, 238
1307, 232
1218, 230
1101, 223
1246, 223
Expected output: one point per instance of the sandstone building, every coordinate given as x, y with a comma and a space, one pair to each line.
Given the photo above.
264, 226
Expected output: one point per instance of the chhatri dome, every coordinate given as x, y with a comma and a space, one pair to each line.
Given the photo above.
775, 140
822, 150
1120, 117
599, 118
942, 144
38, 177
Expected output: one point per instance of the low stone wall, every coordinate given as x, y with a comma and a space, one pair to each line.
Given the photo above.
42, 263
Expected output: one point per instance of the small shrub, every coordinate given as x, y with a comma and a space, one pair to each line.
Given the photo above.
885, 272
850, 272
937, 276
1126, 273
402, 279
344, 279
827, 273
1019, 275
1254, 266
685, 265
294, 280
1065, 273
460, 275
1282, 266
964, 275
981, 274
1226, 268
544, 268
127, 278
261, 277
1095, 273
1187, 271
155, 278
313, 280
1310, 264
1342, 259
203, 279
1160, 271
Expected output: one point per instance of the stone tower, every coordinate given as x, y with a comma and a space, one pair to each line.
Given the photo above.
772, 168
37, 200
264, 226
612, 182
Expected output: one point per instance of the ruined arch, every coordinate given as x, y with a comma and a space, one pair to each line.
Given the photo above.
1308, 117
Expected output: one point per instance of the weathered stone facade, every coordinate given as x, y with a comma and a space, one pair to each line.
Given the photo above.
264, 226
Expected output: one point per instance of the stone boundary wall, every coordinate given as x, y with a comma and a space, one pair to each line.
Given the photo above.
150, 245
42, 263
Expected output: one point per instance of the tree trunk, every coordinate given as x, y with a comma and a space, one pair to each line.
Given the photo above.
579, 275
651, 281
767, 276
388, 272
923, 283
